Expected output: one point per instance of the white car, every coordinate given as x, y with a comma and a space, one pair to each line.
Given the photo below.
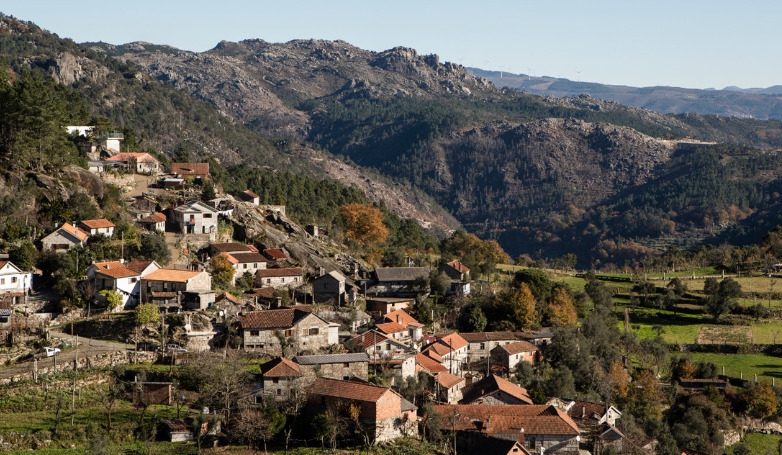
51, 352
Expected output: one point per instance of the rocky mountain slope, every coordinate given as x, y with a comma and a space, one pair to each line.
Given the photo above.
502, 162
762, 104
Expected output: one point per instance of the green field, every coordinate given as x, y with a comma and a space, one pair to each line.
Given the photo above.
766, 367
762, 444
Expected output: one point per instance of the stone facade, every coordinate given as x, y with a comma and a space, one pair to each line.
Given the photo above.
169, 280
336, 366
305, 330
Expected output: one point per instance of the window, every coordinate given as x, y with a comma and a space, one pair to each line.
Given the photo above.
345, 365
258, 399
279, 391
207, 215
289, 333
275, 380
13, 279
314, 331
268, 280
254, 333
345, 378
244, 266
2, 280
483, 345
133, 280
531, 443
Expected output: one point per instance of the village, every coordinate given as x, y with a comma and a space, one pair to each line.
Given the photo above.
302, 318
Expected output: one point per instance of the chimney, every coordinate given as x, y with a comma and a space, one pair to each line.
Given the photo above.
583, 412
322, 271
278, 303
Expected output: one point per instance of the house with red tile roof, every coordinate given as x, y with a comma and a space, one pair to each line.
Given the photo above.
138, 162
446, 387
196, 171
493, 390
64, 238
288, 277
245, 261
114, 275
143, 266
154, 222
249, 196
415, 330
459, 275
265, 331
509, 355
100, 226
539, 428
280, 379
379, 346
383, 305
382, 413
451, 350
170, 288
274, 254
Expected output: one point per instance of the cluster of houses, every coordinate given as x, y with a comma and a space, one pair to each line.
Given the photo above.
464, 373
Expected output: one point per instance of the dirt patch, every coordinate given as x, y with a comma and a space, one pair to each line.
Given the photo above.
724, 335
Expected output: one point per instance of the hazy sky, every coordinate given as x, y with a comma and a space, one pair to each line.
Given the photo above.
685, 43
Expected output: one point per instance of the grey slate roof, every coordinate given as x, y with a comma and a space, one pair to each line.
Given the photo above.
400, 273
331, 358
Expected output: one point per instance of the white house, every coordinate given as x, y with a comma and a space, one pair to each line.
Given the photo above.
247, 261
290, 277
195, 218
14, 280
98, 226
114, 275
140, 162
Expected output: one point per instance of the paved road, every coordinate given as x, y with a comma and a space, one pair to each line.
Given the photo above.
87, 346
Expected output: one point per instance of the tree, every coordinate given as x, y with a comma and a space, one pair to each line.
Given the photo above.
473, 319
619, 381
256, 426
23, 256
146, 313
537, 280
182, 154
113, 299
561, 311
561, 383
208, 193
154, 247
363, 224
763, 400
221, 380
440, 283
721, 297
82, 206
524, 306
222, 271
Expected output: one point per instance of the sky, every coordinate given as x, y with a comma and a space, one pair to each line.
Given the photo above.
681, 43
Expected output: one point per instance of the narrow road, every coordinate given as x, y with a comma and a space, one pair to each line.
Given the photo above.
87, 346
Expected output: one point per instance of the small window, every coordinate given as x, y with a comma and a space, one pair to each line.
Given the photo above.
133, 280
244, 266
279, 391
268, 280
531, 443
289, 333
254, 333
13, 279
346, 365
314, 331
258, 399
207, 215
275, 380
345, 378
2, 280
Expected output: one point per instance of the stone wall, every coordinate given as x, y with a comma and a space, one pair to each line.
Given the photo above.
95, 361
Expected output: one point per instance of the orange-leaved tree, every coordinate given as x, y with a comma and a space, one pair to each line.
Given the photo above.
363, 224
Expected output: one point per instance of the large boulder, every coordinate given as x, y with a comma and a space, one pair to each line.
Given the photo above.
85, 179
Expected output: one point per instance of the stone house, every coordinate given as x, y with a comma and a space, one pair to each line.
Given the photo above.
249, 196
493, 390
383, 414
230, 247
509, 355
379, 346
481, 343
394, 331
459, 275
14, 280
246, 261
335, 366
139, 162
446, 387
415, 330
64, 238
539, 428
274, 254
330, 287
178, 282
384, 305
114, 275
154, 222
289, 277
400, 281
262, 331
100, 226
197, 171
280, 378
195, 218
